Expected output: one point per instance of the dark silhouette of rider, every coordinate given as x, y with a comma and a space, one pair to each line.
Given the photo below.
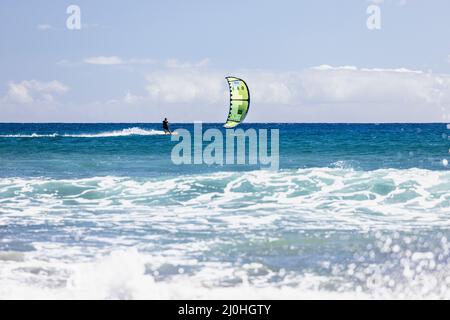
165, 125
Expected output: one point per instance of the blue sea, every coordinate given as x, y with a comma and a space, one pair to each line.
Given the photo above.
99, 211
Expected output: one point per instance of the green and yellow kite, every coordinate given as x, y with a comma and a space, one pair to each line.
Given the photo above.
239, 102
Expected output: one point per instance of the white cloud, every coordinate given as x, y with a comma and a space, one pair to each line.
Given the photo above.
353, 85
131, 98
398, 2
322, 84
323, 93
115, 60
102, 60
44, 27
175, 63
174, 86
140, 61
189, 85
319, 94
18, 92
29, 91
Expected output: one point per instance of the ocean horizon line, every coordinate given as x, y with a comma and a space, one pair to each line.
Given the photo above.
221, 123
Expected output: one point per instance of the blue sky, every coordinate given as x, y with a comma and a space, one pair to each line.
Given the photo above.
311, 61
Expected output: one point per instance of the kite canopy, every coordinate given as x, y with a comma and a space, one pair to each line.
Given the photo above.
239, 102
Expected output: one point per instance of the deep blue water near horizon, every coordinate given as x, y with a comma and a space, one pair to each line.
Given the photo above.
100, 211
357, 146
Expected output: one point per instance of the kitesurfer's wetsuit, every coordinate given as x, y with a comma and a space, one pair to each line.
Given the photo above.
165, 125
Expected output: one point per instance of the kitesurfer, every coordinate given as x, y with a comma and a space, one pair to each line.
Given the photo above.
165, 125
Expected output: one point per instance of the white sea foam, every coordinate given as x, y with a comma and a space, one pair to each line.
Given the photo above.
320, 197
33, 135
125, 275
375, 234
118, 133
131, 274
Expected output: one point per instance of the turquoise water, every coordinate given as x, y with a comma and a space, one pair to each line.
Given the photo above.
137, 150
100, 211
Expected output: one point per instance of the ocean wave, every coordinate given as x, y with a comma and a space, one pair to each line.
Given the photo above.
129, 274
33, 135
118, 133
306, 233
313, 198
133, 274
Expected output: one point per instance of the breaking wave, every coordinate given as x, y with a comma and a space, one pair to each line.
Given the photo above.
317, 197
304, 233
118, 133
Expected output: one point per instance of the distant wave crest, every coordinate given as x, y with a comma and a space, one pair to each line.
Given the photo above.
135, 131
33, 135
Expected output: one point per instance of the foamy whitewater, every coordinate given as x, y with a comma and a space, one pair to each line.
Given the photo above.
118, 133
99, 212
